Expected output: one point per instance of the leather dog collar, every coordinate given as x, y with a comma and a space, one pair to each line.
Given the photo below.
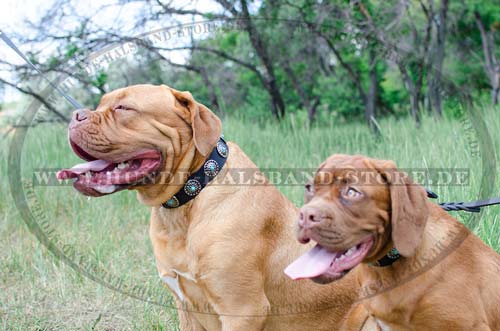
388, 259
200, 178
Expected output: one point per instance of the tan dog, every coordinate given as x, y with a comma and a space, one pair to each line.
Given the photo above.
358, 210
223, 253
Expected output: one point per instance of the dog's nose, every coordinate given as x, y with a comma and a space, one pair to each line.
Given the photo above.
81, 115
308, 216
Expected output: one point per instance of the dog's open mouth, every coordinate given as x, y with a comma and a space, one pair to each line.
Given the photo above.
98, 177
323, 266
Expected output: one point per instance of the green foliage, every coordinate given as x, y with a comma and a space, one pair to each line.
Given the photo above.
341, 97
100, 79
328, 46
71, 50
53, 62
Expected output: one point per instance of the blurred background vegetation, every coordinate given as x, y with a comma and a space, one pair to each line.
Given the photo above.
317, 61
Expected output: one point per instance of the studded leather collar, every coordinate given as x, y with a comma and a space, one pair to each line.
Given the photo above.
201, 177
388, 259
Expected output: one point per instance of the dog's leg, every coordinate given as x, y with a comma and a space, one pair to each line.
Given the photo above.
245, 316
358, 319
187, 322
240, 303
234, 284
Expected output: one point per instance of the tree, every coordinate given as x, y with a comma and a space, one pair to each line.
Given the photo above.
437, 54
357, 60
261, 48
491, 64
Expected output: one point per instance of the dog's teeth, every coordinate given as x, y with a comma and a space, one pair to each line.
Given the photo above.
350, 251
88, 175
122, 165
105, 189
341, 257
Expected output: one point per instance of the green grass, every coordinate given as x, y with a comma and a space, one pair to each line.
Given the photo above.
39, 292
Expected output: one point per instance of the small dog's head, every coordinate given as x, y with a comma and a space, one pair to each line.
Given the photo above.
356, 208
135, 134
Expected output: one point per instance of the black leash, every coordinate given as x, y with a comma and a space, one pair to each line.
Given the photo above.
471, 207
68, 97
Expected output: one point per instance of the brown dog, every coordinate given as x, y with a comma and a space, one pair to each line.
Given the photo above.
358, 210
222, 253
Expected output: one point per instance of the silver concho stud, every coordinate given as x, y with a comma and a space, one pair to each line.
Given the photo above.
211, 168
173, 202
192, 187
222, 149
393, 254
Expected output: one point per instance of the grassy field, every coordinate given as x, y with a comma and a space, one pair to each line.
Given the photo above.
39, 292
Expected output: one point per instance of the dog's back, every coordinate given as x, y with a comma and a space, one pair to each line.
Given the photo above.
486, 266
467, 280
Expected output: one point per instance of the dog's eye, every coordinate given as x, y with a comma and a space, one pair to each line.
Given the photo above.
309, 193
352, 193
121, 108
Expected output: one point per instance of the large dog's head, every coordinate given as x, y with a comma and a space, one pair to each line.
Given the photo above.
138, 138
357, 209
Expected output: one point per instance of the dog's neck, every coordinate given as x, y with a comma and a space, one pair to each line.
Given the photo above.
177, 220
382, 249
199, 178
441, 234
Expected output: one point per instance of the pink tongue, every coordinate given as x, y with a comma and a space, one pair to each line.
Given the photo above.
96, 165
312, 264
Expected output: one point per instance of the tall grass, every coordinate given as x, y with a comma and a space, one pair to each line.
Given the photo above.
39, 292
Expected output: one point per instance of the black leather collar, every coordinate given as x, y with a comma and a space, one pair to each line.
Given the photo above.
201, 177
388, 259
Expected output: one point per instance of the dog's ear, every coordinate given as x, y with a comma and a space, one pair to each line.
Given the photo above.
207, 127
409, 210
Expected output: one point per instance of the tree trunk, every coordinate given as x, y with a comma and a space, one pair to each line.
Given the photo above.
436, 61
413, 92
214, 100
278, 104
371, 96
277, 100
491, 65
307, 103
378, 34
370, 99
263, 80
495, 91
424, 62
